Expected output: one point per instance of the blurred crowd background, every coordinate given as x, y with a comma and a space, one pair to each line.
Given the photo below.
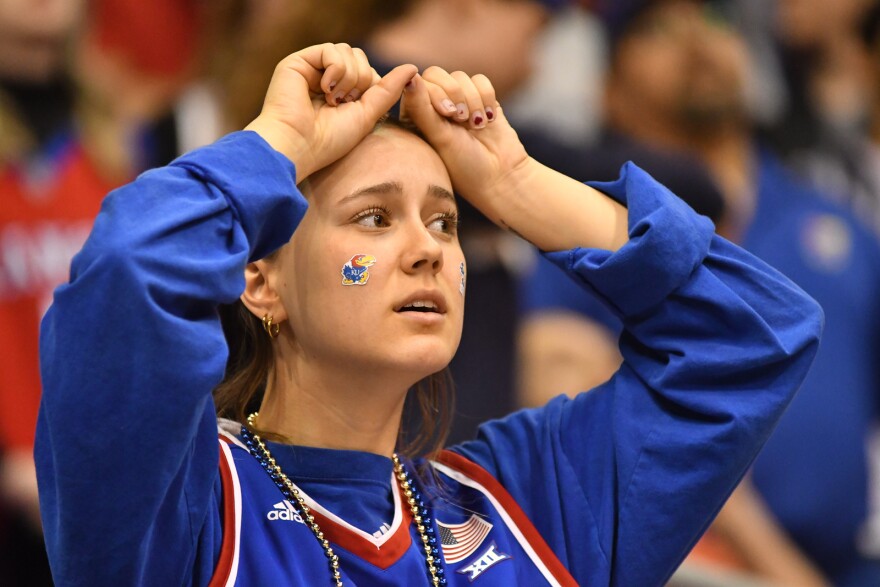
762, 114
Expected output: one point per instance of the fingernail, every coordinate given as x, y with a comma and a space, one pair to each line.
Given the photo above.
411, 83
478, 119
338, 97
462, 111
449, 105
332, 85
353, 95
490, 114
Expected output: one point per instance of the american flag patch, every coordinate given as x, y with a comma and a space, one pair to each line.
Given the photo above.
459, 541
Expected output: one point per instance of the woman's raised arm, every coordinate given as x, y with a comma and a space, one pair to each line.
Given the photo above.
622, 480
132, 346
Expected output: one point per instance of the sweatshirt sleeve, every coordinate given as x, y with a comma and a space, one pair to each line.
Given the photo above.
622, 480
131, 348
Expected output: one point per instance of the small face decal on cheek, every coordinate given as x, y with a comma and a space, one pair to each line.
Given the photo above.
461, 284
357, 270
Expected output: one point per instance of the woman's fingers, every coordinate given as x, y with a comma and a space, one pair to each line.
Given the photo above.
323, 64
344, 66
418, 106
455, 95
487, 96
473, 98
476, 112
347, 73
341, 72
442, 103
381, 96
365, 74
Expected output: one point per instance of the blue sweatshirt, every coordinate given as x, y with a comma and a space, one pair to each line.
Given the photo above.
610, 488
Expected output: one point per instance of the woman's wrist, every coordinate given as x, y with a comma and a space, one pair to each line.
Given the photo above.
555, 212
293, 147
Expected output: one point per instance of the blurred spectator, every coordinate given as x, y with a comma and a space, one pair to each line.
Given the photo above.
162, 78
677, 80
78, 93
827, 70
571, 48
49, 193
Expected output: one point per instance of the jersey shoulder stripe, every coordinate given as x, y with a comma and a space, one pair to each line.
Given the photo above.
226, 570
472, 475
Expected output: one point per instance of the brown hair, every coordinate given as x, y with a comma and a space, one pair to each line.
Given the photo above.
429, 405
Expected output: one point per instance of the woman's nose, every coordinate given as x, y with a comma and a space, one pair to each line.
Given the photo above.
422, 251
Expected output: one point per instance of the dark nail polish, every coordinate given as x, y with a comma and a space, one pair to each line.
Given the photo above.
489, 114
478, 120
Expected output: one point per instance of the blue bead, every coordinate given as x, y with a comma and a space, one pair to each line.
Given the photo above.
440, 571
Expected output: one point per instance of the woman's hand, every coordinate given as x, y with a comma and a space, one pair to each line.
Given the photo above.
490, 168
462, 120
322, 101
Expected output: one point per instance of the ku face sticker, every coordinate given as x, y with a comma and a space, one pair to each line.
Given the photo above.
356, 271
462, 283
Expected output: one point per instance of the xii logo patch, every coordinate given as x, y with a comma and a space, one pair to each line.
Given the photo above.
487, 560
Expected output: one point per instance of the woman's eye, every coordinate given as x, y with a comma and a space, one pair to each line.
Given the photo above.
447, 223
373, 219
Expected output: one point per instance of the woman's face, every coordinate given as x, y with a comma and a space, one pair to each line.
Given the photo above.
373, 276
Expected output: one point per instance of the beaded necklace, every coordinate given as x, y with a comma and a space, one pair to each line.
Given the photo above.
417, 505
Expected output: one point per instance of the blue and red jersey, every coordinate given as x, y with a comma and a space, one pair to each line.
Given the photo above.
611, 487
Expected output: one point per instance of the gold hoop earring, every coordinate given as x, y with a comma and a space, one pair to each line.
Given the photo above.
271, 329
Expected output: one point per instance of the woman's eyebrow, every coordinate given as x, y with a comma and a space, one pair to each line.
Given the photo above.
380, 188
388, 187
441, 192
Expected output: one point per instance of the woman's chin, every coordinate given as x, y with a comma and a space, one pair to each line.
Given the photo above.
424, 362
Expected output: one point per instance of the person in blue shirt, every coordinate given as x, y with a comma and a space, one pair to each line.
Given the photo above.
316, 485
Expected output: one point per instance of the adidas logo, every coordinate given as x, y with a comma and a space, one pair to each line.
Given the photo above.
284, 511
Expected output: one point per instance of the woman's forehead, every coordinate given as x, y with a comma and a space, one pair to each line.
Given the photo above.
387, 156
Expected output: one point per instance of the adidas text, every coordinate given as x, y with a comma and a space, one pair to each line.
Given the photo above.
284, 511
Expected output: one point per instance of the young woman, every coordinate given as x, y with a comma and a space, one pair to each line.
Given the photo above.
338, 236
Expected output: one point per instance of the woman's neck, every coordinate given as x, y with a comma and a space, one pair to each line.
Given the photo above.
334, 408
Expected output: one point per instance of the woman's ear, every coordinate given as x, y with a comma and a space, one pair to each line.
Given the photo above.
260, 295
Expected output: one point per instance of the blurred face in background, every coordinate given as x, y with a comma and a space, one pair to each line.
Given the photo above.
498, 38
809, 24
680, 62
33, 36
